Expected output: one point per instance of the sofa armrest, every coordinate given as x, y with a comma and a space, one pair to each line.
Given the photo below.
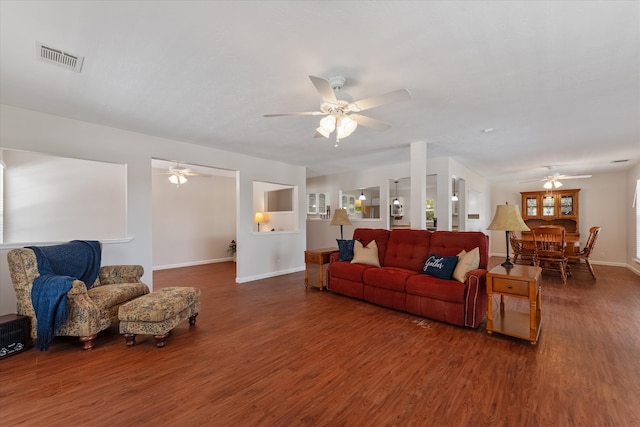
334, 257
476, 297
114, 274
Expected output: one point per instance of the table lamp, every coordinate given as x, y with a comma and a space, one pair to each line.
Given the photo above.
340, 218
508, 218
258, 219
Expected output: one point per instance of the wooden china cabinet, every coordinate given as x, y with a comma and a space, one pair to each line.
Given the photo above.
557, 207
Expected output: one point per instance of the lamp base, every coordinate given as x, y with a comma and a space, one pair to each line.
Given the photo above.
507, 264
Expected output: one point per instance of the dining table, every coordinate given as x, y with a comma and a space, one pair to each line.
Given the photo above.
571, 243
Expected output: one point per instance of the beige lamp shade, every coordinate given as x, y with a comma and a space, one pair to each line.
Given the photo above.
259, 217
340, 217
508, 218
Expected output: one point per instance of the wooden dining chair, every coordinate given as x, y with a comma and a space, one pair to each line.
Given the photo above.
583, 255
526, 252
549, 249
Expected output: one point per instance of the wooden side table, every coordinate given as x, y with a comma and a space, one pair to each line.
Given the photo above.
520, 281
319, 257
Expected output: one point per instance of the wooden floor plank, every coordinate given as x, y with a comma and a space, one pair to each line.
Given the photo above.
272, 353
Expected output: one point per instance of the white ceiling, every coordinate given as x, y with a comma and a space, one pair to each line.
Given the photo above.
559, 81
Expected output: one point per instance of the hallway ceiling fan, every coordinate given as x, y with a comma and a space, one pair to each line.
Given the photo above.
341, 115
553, 181
178, 174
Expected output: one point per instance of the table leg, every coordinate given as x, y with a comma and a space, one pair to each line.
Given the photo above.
490, 314
306, 275
321, 282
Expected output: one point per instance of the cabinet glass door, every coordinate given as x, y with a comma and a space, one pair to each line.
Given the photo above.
548, 206
352, 205
312, 203
566, 205
532, 206
322, 203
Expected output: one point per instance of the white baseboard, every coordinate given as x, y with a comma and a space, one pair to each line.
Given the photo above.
267, 275
190, 264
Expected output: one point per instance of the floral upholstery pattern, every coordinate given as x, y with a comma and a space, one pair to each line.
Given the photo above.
89, 312
159, 312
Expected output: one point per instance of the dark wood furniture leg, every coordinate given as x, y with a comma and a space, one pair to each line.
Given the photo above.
130, 339
160, 339
88, 342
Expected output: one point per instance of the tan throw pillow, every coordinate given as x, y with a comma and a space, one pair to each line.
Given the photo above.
365, 255
467, 261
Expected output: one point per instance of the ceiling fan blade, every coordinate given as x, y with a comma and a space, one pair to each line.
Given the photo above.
319, 135
573, 176
369, 122
307, 113
201, 175
376, 101
324, 89
532, 180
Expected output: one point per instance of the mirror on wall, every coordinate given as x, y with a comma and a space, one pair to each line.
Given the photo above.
46, 198
361, 203
274, 207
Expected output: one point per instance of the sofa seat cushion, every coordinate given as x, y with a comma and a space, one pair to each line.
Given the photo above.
108, 296
431, 287
348, 271
387, 278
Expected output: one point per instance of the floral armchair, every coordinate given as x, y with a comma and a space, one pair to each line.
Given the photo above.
89, 311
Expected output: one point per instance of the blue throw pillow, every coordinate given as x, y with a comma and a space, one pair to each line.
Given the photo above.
440, 266
346, 249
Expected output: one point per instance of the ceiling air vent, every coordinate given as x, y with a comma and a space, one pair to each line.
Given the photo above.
59, 57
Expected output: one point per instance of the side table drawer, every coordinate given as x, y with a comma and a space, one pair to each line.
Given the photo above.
510, 286
312, 258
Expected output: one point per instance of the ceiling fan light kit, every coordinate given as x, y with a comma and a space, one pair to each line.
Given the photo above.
338, 112
553, 181
177, 179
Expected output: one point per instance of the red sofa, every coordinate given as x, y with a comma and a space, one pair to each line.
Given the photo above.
399, 282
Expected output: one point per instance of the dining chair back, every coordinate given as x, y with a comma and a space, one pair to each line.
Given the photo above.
525, 252
584, 254
549, 249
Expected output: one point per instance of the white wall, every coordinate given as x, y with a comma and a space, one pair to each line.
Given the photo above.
258, 256
193, 223
92, 206
603, 200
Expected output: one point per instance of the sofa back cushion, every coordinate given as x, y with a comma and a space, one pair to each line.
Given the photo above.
408, 249
450, 243
380, 235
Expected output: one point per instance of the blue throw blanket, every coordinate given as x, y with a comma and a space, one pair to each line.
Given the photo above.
58, 266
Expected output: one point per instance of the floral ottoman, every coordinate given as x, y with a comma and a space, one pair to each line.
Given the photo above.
158, 313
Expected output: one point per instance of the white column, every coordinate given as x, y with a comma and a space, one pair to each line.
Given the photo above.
418, 165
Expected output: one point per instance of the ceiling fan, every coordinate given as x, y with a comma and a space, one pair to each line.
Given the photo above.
178, 174
340, 113
553, 181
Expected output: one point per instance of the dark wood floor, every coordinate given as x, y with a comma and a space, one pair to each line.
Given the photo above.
270, 353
